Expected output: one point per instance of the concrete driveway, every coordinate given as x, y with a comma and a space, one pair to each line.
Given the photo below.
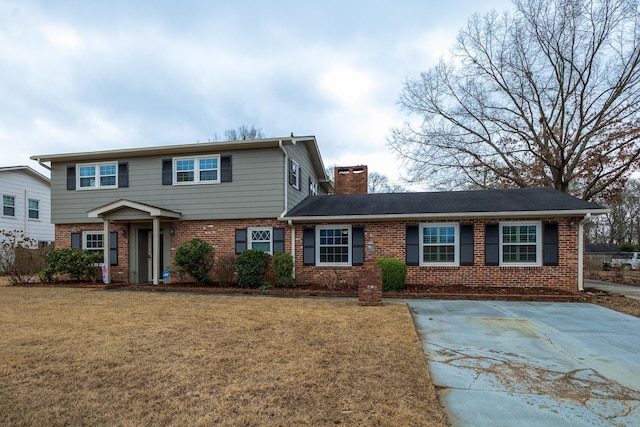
501, 363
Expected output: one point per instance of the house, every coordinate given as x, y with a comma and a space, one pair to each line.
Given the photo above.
26, 203
274, 195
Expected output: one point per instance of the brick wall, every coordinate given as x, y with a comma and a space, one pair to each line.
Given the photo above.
389, 241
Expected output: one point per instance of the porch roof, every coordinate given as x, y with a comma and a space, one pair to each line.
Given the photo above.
153, 211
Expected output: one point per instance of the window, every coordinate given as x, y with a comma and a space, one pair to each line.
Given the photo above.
34, 209
520, 243
313, 188
261, 238
294, 174
439, 244
334, 245
8, 206
98, 175
197, 170
94, 241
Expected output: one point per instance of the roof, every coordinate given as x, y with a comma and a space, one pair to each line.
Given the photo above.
481, 203
143, 207
601, 248
27, 170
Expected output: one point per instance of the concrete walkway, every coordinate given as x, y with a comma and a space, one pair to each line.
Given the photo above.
616, 288
532, 363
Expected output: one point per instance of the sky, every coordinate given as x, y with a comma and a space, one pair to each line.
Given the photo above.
91, 75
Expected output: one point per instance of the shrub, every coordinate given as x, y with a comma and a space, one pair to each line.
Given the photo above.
19, 256
627, 247
283, 268
394, 273
77, 263
225, 269
195, 258
251, 266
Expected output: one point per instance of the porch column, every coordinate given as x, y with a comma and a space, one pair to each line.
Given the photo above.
106, 240
156, 249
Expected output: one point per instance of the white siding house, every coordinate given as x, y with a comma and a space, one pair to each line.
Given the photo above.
26, 203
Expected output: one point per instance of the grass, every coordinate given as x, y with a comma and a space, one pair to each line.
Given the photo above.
85, 357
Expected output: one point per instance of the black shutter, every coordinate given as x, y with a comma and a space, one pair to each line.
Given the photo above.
309, 246
113, 248
167, 172
123, 174
357, 245
278, 240
241, 240
76, 241
550, 244
466, 244
71, 177
412, 243
491, 244
309, 185
226, 171
299, 178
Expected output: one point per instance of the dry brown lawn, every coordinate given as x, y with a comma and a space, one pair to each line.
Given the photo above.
86, 357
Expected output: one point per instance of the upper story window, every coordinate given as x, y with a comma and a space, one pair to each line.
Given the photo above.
261, 238
333, 245
34, 209
313, 187
294, 174
439, 244
196, 170
8, 205
97, 175
520, 243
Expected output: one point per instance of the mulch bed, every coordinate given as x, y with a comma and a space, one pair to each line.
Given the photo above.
504, 293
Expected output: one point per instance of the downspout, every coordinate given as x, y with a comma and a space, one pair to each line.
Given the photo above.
586, 218
286, 206
43, 165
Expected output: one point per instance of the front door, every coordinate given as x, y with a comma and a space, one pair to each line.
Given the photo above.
145, 255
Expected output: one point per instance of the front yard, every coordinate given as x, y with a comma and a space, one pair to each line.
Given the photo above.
86, 357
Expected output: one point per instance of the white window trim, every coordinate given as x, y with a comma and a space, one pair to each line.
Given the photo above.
250, 239
97, 176
84, 240
313, 187
15, 206
456, 244
349, 245
296, 167
538, 225
196, 170
29, 209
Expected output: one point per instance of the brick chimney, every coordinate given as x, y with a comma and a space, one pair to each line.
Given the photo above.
350, 180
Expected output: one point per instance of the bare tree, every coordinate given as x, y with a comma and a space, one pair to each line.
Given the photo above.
547, 94
622, 224
379, 183
242, 133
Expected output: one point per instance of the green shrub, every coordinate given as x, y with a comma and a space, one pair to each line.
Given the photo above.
627, 247
225, 269
195, 258
251, 266
283, 267
394, 273
77, 263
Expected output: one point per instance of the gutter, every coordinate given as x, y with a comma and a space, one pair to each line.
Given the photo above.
39, 160
586, 218
441, 215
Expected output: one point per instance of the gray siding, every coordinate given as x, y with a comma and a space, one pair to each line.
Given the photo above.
257, 189
300, 154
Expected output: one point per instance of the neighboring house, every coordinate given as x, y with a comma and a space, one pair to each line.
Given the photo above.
26, 203
256, 194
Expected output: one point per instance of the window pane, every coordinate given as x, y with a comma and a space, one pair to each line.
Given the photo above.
185, 165
106, 181
87, 171
263, 246
34, 211
208, 164
185, 177
209, 175
334, 245
107, 170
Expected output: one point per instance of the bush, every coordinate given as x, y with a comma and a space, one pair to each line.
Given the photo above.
283, 268
19, 256
77, 263
627, 247
195, 258
394, 273
251, 266
225, 269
